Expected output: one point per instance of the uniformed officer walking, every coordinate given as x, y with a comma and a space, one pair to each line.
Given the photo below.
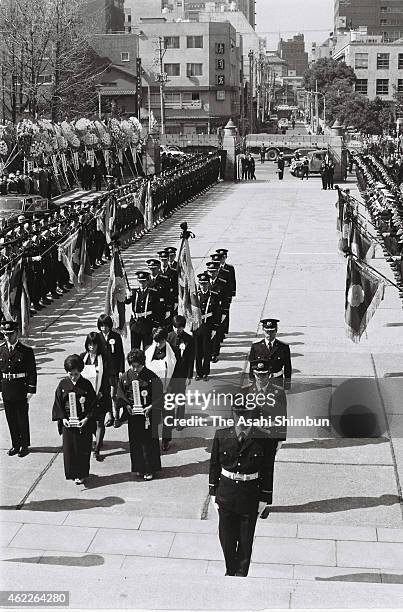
275, 352
220, 285
210, 306
17, 385
146, 311
240, 485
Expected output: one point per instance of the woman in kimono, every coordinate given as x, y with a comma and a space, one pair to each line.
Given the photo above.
77, 440
160, 357
96, 371
144, 410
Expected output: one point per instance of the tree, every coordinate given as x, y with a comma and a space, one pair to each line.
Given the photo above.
48, 63
325, 72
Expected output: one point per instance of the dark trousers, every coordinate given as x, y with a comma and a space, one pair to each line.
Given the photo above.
304, 173
236, 533
203, 353
280, 174
137, 339
177, 386
18, 422
324, 181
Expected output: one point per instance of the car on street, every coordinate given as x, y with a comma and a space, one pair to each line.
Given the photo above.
315, 158
13, 205
283, 123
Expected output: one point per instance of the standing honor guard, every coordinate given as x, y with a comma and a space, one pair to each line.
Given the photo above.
17, 386
240, 486
147, 311
275, 352
171, 277
74, 408
220, 285
210, 306
171, 257
140, 392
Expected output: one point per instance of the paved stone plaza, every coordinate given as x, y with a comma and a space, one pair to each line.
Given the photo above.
335, 534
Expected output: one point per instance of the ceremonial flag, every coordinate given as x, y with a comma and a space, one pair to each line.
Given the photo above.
10, 291
139, 199
116, 293
360, 243
364, 293
67, 255
5, 294
84, 273
188, 299
25, 302
148, 213
110, 216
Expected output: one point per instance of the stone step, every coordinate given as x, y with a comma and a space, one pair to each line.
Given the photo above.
179, 590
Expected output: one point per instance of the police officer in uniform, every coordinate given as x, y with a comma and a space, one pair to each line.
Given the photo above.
161, 286
171, 257
146, 307
171, 277
17, 386
220, 285
275, 352
272, 402
210, 306
240, 485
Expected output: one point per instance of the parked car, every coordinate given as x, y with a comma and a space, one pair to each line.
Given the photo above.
315, 158
283, 123
14, 204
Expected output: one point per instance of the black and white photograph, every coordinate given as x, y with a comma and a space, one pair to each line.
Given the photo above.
201, 351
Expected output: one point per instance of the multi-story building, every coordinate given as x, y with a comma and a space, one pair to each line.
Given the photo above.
293, 52
200, 63
378, 66
381, 17
104, 16
191, 9
118, 83
135, 10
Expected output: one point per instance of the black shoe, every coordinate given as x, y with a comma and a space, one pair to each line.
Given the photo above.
205, 378
240, 574
197, 377
97, 456
23, 451
13, 451
214, 359
165, 445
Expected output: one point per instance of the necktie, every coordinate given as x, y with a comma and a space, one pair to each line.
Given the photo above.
241, 437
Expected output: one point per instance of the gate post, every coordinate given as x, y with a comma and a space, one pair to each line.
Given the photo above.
229, 145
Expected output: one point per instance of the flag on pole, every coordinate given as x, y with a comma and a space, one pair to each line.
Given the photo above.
188, 299
67, 255
84, 274
110, 216
361, 244
25, 302
5, 294
364, 293
148, 213
116, 294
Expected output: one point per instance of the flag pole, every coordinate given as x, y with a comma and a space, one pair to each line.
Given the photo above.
364, 263
117, 247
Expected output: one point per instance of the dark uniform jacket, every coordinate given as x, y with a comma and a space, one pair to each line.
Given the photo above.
275, 405
21, 360
210, 306
112, 349
230, 271
148, 308
256, 454
171, 277
279, 358
184, 359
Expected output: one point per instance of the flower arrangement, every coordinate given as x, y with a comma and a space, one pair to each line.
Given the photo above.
3, 148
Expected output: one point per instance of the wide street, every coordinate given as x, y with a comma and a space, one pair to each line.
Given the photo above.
335, 534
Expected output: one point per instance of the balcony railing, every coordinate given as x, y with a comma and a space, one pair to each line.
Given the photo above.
183, 105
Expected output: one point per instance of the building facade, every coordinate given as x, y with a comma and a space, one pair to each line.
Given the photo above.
293, 52
381, 17
117, 89
378, 66
104, 16
201, 67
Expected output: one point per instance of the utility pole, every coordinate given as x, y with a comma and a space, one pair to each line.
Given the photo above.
316, 107
161, 53
251, 113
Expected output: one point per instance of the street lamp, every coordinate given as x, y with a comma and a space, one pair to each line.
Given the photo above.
99, 90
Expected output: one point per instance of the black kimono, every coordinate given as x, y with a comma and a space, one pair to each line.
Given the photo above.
77, 441
144, 441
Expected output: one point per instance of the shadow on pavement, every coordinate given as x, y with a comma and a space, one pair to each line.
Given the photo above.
334, 443
84, 561
68, 504
340, 504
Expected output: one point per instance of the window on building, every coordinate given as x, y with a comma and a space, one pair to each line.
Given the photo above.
220, 95
172, 69
361, 60
109, 84
129, 18
399, 85
125, 56
400, 61
171, 42
382, 60
191, 96
45, 79
194, 42
194, 70
384, 22
173, 97
382, 87
361, 86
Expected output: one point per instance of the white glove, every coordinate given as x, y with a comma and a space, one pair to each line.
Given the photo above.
214, 503
262, 506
